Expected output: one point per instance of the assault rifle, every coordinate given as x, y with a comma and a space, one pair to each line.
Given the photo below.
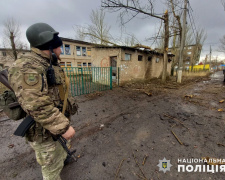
29, 121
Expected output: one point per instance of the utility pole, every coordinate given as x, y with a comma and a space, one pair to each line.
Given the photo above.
216, 64
210, 59
180, 68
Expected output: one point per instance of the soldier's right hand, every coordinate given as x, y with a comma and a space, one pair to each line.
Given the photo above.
69, 133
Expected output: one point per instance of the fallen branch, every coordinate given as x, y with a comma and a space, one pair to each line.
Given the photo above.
139, 166
177, 137
143, 163
220, 144
176, 120
118, 170
141, 177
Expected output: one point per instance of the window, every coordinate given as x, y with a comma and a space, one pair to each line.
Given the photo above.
139, 57
62, 50
188, 53
68, 64
157, 60
84, 52
89, 64
89, 51
187, 62
67, 49
78, 51
79, 64
84, 64
189, 47
127, 57
62, 64
149, 58
3, 53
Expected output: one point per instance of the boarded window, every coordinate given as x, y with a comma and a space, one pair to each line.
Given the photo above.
157, 60
89, 52
127, 57
140, 57
62, 64
84, 52
149, 58
78, 51
62, 50
67, 49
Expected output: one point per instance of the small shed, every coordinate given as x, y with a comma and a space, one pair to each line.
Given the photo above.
130, 63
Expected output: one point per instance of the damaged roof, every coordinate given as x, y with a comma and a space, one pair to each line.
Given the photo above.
139, 48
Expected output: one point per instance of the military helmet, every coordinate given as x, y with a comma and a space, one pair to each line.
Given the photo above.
39, 34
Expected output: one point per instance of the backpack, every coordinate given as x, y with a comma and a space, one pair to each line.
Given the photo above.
8, 100
10, 105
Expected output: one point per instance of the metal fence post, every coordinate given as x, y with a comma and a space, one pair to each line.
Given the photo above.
111, 77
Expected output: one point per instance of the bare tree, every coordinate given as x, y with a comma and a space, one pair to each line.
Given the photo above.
98, 31
130, 9
11, 38
199, 41
222, 44
223, 4
130, 40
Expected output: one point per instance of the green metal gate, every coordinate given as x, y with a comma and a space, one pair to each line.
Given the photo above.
89, 80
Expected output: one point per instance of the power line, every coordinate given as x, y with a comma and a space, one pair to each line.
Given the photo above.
192, 22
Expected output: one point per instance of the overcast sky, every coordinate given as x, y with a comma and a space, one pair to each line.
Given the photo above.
63, 15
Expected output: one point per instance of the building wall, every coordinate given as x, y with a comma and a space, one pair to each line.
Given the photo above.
130, 69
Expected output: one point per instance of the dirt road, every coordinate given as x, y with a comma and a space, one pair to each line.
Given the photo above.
118, 129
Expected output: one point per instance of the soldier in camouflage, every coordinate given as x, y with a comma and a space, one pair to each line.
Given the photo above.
42, 101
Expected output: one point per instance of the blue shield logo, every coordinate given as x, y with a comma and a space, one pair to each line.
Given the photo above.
164, 165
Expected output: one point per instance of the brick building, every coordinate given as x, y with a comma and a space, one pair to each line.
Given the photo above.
132, 63
75, 53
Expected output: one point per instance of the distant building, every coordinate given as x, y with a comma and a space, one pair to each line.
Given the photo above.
191, 55
75, 53
7, 58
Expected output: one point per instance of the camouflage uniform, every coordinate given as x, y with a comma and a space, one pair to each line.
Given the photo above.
27, 77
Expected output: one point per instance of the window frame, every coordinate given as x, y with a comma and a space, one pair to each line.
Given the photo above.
127, 55
140, 57
69, 52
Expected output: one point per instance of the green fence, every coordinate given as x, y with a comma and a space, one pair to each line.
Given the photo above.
89, 80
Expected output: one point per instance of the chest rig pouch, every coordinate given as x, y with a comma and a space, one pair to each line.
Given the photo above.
51, 72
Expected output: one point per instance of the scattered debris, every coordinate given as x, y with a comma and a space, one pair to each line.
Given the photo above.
94, 95
189, 96
139, 166
175, 120
11, 146
148, 93
177, 137
221, 101
118, 169
102, 125
104, 164
220, 144
143, 163
220, 110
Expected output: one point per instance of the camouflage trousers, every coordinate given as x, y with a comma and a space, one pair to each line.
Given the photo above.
50, 155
